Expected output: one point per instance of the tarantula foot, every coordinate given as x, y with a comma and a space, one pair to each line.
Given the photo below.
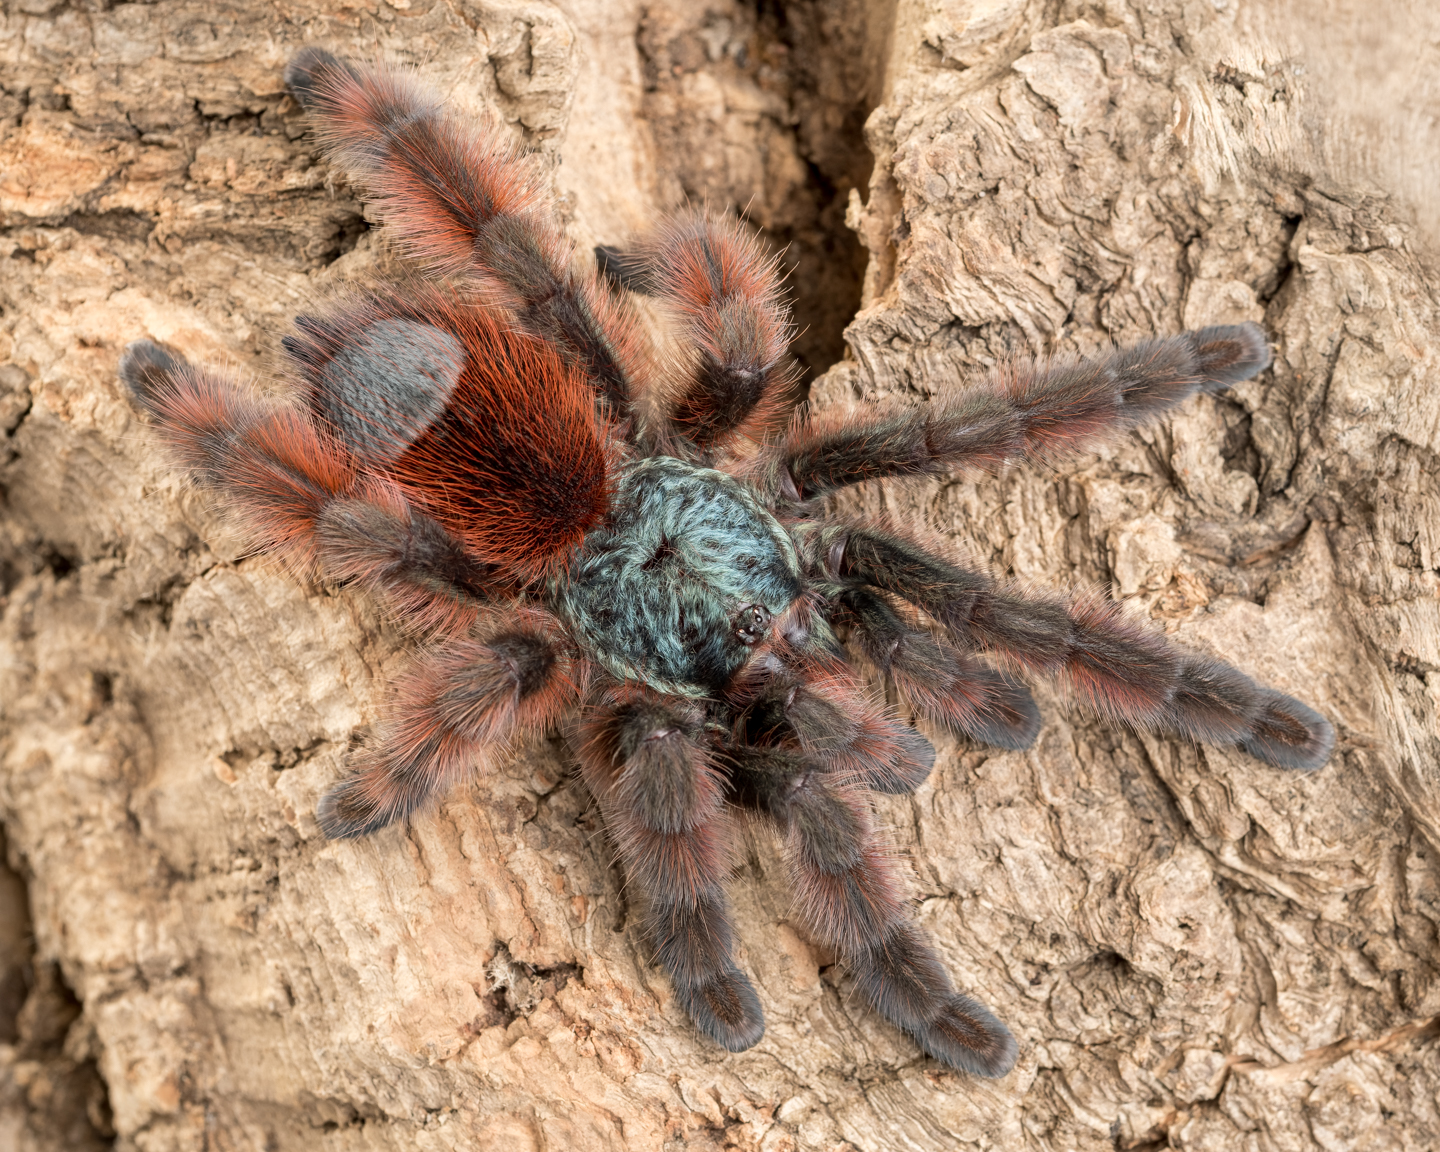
725, 1008
346, 812
910, 768
902, 977
145, 369
1229, 353
1011, 718
967, 1036
302, 74
1289, 734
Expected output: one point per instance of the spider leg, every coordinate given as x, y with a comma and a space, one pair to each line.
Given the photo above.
379, 540
298, 494
837, 727
462, 697
1027, 410
274, 466
1112, 664
848, 897
646, 762
464, 201
727, 295
943, 684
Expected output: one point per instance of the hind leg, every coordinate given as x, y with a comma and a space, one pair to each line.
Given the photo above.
272, 464
298, 495
466, 201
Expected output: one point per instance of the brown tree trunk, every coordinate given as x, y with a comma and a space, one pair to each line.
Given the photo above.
1195, 951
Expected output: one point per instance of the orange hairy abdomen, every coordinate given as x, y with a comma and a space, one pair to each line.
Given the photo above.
516, 466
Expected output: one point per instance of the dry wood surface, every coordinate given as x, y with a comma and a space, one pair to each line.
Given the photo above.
1195, 951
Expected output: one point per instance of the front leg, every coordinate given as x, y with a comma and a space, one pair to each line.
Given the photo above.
848, 896
646, 761
944, 684
824, 711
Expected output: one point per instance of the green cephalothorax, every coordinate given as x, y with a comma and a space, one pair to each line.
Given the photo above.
681, 580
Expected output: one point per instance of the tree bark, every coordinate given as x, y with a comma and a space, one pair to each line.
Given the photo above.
1195, 950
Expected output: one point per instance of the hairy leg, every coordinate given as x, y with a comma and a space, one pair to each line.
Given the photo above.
847, 896
298, 496
645, 760
380, 541
1026, 410
726, 293
824, 713
1112, 664
466, 202
456, 701
272, 465
942, 683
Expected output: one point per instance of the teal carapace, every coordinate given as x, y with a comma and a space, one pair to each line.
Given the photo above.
681, 578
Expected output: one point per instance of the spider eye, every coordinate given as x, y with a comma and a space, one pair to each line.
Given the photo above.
751, 623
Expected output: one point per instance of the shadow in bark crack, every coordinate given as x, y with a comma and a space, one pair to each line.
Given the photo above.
51, 1093
760, 109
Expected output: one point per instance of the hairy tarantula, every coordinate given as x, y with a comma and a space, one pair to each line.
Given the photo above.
494, 452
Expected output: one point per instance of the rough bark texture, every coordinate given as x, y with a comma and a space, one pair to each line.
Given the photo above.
1195, 951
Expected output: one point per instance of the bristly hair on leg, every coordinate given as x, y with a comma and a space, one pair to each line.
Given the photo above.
467, 202
483, 443
847, 894
460, 700
646, 761
823, 711
1112, 663
379, 540
1024, 410
738, 380
276, 469
941, 683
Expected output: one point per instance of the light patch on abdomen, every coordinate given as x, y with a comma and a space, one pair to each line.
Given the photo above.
393, 382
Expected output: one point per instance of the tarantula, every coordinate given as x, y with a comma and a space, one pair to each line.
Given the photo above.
493, 450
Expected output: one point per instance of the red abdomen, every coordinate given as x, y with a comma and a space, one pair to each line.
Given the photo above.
481, 426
